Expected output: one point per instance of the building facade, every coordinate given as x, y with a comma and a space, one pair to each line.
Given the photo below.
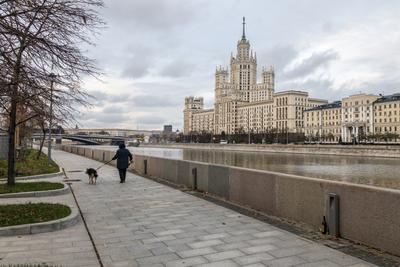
354, 119
387, 115
244, 105
324, 122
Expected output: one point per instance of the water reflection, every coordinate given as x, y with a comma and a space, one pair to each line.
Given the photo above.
382, 172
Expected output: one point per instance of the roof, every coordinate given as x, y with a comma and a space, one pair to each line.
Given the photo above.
198, 111
388, 98
336, 104
291, 92
317, 100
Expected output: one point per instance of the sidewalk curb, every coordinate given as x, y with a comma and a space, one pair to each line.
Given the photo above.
47, 193
39, 176
43, 227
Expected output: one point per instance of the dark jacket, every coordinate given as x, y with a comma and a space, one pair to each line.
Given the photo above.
123, 156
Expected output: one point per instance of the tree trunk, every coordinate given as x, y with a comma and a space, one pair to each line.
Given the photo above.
41, 142
13, 122
11, 143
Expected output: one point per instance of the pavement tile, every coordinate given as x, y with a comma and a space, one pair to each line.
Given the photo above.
186, 262
324, 263
196, 252
285, 252
157, 259
231, 246
257, 249
225, 263
224, 255
269, 233
283, 262
254, 258
207, 243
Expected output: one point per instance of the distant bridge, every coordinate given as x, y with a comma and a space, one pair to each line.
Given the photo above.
88, 139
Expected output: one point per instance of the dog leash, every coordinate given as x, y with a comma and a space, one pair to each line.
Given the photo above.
103, 165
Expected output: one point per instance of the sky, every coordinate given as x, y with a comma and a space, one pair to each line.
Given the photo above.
153, 53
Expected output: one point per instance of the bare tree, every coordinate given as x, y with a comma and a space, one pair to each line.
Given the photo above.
39, 38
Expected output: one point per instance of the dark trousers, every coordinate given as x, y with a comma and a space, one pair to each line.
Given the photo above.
122, 174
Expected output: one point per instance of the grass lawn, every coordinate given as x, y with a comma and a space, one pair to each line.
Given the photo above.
28, 187
16, 214
29, 165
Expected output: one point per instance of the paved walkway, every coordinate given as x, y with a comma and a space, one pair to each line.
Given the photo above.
143, 223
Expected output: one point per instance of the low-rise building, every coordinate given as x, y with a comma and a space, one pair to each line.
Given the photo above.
360, 117
387, 114
323, 123
357, 116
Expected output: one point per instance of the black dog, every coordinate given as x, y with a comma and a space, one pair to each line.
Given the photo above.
92, 175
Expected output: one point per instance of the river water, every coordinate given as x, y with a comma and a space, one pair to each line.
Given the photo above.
383, 172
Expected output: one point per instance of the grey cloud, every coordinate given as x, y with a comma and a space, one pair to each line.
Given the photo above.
101, 98
104, 117
279, 56
151, 15
111, 117
138, 60
150, 119
145, 100
177, 68
310, 64
316, 87
151, 101
113, 109
386, 87
327, 27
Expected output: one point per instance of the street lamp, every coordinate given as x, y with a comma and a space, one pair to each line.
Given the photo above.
52, 77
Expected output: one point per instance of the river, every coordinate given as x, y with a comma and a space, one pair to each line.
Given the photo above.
383, 172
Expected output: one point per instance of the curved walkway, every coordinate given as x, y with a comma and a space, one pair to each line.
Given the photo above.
143, 223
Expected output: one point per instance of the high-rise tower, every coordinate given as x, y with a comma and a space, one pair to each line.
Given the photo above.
234, 88
243, 67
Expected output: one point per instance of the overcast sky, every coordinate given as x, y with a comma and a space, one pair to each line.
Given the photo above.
153, 53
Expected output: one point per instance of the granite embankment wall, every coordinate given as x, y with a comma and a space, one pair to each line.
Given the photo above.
391, 151
369, 215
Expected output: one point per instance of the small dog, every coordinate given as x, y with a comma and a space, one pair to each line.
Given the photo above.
92, 175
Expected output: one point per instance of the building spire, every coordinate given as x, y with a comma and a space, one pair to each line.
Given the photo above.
244, 33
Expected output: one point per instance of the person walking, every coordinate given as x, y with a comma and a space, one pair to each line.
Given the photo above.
124, 158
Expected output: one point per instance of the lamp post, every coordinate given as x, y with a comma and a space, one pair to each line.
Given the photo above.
51, 76
248, 126
287, 135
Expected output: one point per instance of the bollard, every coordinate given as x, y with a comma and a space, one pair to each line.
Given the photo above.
194, 175
104, 156
92, 153
145, 166
333, 215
